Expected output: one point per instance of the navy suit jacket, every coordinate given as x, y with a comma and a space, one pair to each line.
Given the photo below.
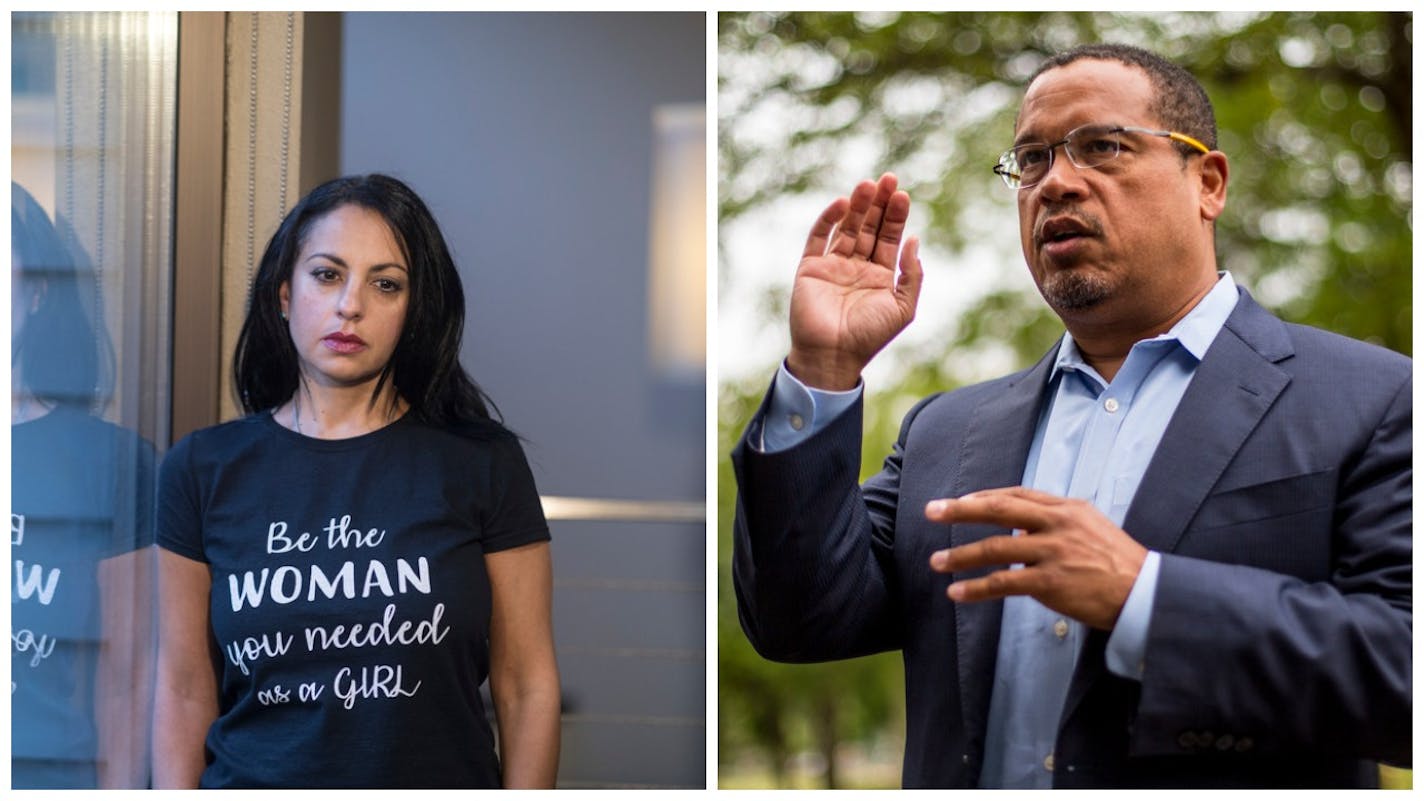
1279, 652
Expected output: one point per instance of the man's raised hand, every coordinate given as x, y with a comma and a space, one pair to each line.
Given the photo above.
848, 301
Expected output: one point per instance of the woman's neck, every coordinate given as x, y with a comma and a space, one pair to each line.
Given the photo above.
325, 412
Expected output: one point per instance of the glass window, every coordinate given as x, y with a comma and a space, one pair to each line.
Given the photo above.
92, 135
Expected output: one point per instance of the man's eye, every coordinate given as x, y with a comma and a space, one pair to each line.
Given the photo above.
1031, 157
1100, 146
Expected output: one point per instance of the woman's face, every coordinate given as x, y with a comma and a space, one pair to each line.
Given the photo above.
346, 300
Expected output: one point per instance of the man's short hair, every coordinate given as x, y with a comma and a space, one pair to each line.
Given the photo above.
1180, 102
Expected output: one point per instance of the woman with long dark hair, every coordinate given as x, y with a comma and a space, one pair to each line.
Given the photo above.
343, 567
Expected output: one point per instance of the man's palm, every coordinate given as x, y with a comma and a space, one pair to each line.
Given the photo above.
847, 301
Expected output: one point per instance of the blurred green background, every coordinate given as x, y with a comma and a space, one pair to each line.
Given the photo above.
1315, 115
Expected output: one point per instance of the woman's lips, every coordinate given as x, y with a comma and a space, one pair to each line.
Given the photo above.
343, 343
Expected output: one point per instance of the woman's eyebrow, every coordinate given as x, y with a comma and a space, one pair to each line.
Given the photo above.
340, 262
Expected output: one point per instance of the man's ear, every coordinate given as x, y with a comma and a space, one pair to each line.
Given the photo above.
1214, 172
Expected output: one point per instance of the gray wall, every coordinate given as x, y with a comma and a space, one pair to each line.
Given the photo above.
530, 137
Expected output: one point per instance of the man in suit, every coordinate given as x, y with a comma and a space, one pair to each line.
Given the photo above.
1175, 552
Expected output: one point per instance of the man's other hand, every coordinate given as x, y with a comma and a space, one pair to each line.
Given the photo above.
1075, 561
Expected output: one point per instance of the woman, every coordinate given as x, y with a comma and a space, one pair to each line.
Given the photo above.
365, 546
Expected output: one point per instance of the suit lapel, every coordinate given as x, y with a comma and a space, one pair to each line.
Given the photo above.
993, 453
1230, 393
1234, 386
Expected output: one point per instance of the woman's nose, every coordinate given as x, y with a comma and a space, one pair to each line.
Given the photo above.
351, 302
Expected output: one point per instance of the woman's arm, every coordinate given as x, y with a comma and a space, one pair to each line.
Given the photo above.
186, 698
524, 678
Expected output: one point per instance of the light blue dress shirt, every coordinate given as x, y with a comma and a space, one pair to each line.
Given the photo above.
1093, 441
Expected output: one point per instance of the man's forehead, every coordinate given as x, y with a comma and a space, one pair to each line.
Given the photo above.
1082, 92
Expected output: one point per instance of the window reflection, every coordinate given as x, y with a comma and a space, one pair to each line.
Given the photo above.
91, 154
80, 518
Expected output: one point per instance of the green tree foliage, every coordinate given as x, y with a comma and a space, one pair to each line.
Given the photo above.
1315, 115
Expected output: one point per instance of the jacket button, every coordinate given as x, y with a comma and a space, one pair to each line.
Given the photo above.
1224, 742
1187, 740
1244, 744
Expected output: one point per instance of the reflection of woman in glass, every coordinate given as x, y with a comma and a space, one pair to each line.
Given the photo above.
342, 568
80, 519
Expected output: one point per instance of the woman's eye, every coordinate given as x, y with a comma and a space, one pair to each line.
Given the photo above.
387, 285
325, 274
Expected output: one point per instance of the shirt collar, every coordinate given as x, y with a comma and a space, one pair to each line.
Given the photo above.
1193, 332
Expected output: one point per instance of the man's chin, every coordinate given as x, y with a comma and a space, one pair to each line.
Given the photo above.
1074, 290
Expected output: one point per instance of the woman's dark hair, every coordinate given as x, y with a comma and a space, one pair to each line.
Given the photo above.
425, 368
63, 354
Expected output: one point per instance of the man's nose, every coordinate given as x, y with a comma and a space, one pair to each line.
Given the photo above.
1064, 180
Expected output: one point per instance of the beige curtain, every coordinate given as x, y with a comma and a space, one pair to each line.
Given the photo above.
114, 104
264, 98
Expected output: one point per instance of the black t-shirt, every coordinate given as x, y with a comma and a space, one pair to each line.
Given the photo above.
350, 603
81, 492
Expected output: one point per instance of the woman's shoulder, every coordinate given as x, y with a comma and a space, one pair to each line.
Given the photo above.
472, 445
242, 429
222, 441
466, 433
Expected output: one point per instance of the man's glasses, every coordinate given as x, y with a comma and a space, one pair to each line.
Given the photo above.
1087, 147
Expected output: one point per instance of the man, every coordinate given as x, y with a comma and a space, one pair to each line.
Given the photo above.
1175, 552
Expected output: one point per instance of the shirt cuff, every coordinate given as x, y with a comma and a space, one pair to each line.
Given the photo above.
797, 412
1127, 646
